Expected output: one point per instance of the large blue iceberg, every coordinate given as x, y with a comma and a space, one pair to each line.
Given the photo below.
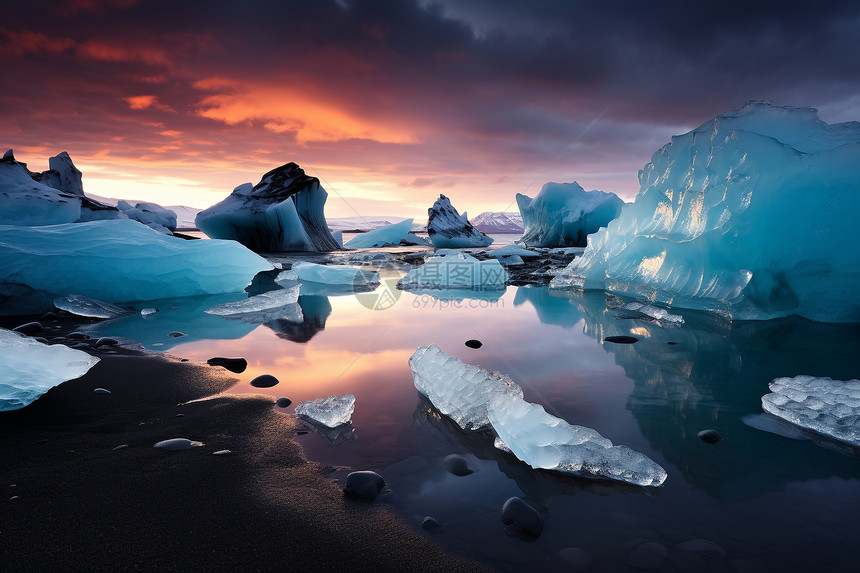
283, 212
564, 214
749, 216
121, 260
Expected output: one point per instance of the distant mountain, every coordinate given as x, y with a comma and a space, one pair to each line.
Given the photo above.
498, 222
365, 224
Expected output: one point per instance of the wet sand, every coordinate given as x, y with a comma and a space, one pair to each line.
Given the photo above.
83, 505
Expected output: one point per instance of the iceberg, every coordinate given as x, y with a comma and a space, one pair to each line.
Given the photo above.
448, 229
283, 212
825, 406
24, 201
452, 269
747, 216
386, 236
564, 214
334, 274
80, 305
152, 215
29, 368
499, 222
122, 260
278, 304
331, 411
476, 399
64, 176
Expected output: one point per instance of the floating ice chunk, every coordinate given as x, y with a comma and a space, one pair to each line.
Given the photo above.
24, 201
826, 406
278, 304
81, 305
508, 260
508, 250
154, 216
122, 260
449, 269
475, 399
564, 214
331, 411
334, 275
285, 278
460, 391
283, 212
389, 235
726, 221
649, 312
29, 368
448, 229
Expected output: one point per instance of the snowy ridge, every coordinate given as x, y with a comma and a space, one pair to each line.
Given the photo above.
490, 222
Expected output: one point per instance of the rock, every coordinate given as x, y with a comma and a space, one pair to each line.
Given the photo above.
457, 465
521, 518
106, 341
175, 334
264, 381
283, 402
120, 447
101, 391
176, 444
237, 365
29, 328
77, 336
621, 339
474, 343
364, 485
710, 436
222, 453
430, 524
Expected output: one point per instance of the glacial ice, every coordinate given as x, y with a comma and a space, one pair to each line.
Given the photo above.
278, 304
331, 411
389, 235
283, 212
825, 406
640, 310
29, 368
448, 229
122, 260
81, 305
476, 399
335, 274
152, 215
451, 269
747, 216
24, 201
564, 214
508, 250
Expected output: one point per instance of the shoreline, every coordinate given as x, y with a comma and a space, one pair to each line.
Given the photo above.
72, 501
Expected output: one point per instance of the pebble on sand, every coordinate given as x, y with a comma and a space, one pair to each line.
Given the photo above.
430, 524
710, 436
30, 328
521, 518
106, 341
264, 381
364, 485
222, 453
176, 444
457, 465
283, 402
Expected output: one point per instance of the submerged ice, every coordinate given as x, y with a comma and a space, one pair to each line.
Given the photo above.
826, 406
452, 269
29, 368
335, 274
747, 216
476, 399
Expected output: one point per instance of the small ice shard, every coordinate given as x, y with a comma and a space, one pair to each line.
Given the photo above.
387, 236
564, 214
460, 391
148, 311
176, 444
331, 411
825, 406
153, 216
81, 305
455, 270
476, 399
101, 391
122, 260
490, 222
642, 311
29, 368
275, 304
335, 274
222, 453
509, 250
448, 229
283, 212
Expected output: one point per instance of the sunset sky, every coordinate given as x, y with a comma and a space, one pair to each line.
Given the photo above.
392, 102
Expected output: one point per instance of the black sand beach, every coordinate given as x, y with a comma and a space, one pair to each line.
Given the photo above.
71, 501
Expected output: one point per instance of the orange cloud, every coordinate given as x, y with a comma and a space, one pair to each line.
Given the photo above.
146, 102
26, 42
106, 52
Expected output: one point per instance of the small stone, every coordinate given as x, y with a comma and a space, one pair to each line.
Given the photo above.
457, 465
106, 341
364, 485
77, 336
30, 328
176, 444
14, 498
222, 453
237, 365
264, 381
621, 339
671, 343
283, 402
521, 518
120, 447
101, 391
175, 334
179, 416
710, 436
474, 343
430, 524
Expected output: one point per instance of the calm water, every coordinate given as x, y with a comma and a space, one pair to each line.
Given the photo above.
756, 501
